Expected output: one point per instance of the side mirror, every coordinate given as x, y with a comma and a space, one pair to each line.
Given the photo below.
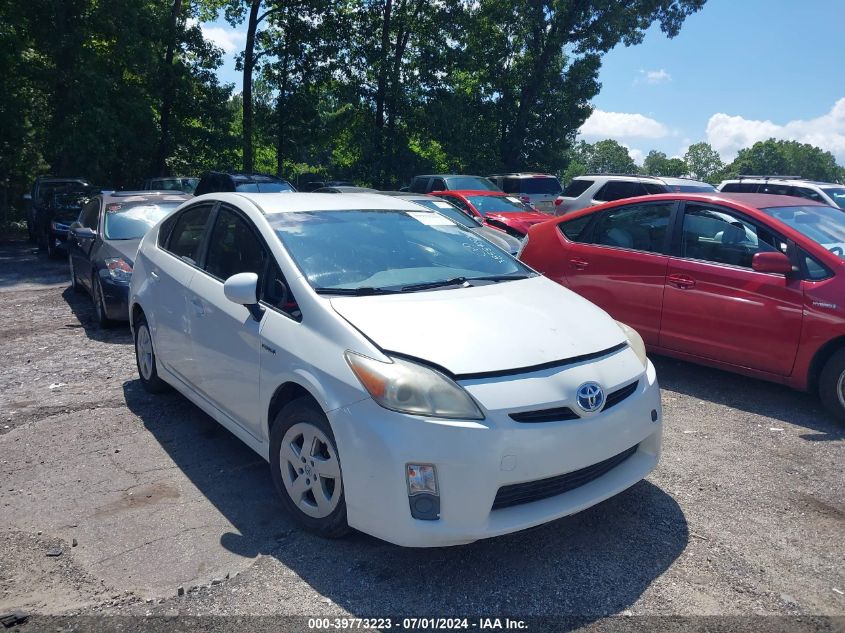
242, 289
83, 232
771, 262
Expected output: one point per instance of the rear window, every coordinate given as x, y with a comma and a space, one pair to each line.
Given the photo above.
739, 187
470, 182
618, 189
498, 204
575, 230
540, 186
576, 188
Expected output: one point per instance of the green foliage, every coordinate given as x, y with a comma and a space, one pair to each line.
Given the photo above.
703, 162
787, 158
604, 157
658, 164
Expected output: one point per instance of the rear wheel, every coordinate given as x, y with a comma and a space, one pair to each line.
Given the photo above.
145, 357
832, 385
306, 469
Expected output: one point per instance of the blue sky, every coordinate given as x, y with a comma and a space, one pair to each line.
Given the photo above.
739, 71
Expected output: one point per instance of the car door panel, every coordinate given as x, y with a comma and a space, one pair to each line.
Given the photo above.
717, 307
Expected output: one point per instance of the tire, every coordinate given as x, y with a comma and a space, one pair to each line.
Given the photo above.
52, 251
300, 432
145, 358
832, 385
74, 282
101, 319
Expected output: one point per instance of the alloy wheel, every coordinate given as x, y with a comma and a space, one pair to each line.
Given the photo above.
310, 470
840, 389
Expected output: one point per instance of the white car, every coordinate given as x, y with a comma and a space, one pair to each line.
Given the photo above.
402, 375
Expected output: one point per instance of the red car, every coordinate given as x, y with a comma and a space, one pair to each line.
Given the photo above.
496, 209
750, 283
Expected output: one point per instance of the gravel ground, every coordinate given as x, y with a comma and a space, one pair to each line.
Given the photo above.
145, 495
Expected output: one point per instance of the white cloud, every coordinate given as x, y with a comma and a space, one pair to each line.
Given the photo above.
637, 154
654, 76
728, 134
229, 39
618, 125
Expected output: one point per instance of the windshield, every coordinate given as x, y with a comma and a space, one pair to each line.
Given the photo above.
824, 225
130, 221
471, 182
498, 204
268, 186
450, 211
187, 185
540, 186
386, 250
837, 194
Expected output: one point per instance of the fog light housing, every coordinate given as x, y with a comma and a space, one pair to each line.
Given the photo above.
423, 495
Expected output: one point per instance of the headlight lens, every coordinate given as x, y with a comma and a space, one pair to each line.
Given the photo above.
119, 269
409, 387
635, 341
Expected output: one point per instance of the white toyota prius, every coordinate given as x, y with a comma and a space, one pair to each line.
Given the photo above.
401, 375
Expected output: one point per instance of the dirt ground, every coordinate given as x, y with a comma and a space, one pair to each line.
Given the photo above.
144, 495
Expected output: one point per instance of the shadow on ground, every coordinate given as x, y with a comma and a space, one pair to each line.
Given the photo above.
597, 562
747, 394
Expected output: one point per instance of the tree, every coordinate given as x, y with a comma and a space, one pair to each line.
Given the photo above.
702, 161
777, 157
604, 157
658, 164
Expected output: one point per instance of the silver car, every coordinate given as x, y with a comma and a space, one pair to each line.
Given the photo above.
538, 190
499, 238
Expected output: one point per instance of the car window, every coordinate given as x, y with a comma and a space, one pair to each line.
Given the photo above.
90, 216
438, 184
498, 204
809, 194
264, 186
837, 194
777, 190
471, 182
188, 231
130, 221
618, 189
510, 185
739, 187
576, 188
461, 204
538, 185
718, 235
419, 185
445, 208
822, 224
276, 292
574, 230
815, 269
640, 227
234, 247
653, 187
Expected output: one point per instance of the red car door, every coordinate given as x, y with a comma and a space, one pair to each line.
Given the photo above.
621, 267
716, 307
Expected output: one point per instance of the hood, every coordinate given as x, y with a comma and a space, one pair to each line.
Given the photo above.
499, 238
127, 249
520, 221
495, 327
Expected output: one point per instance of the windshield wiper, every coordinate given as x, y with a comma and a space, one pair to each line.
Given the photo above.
500, 277
355, 292
434, 284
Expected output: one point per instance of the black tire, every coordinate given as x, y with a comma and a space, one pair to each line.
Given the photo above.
101, 319
832, 385
304, 410
52, 251
149, 377
74, 282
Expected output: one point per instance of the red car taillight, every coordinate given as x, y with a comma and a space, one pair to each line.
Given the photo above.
558, 201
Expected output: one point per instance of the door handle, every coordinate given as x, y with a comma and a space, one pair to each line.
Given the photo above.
578, 264
154, 276
684, 282
199, 310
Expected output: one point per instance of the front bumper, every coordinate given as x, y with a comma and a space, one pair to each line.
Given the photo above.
115, 298
475, 458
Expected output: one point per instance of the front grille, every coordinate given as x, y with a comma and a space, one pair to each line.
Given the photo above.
545, 415
517, 494
619, 395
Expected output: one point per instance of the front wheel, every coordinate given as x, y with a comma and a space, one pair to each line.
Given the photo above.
832, 385
306, 469
145, 358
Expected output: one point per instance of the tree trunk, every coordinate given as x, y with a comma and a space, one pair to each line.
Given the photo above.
167, 94
249, 66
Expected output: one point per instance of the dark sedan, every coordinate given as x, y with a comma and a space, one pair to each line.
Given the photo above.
104, 240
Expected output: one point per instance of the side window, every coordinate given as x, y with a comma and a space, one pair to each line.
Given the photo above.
739, 187
640, 227
419, 185
186, 236
576, 188
718, 235
815, 269
616, 190
574, 230
276, 293
438, 184
510, 185
804, 192
777, 190
234, 247
166, 228
90, 216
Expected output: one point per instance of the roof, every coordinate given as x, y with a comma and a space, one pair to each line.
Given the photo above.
785, 179
143, 196
272, 203
766, 200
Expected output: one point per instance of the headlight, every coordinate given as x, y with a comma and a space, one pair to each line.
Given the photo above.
635, 341
119, 269
58, 227
412, 388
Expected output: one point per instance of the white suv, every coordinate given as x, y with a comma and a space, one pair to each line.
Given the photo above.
328, 332
824, 192
588, 191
